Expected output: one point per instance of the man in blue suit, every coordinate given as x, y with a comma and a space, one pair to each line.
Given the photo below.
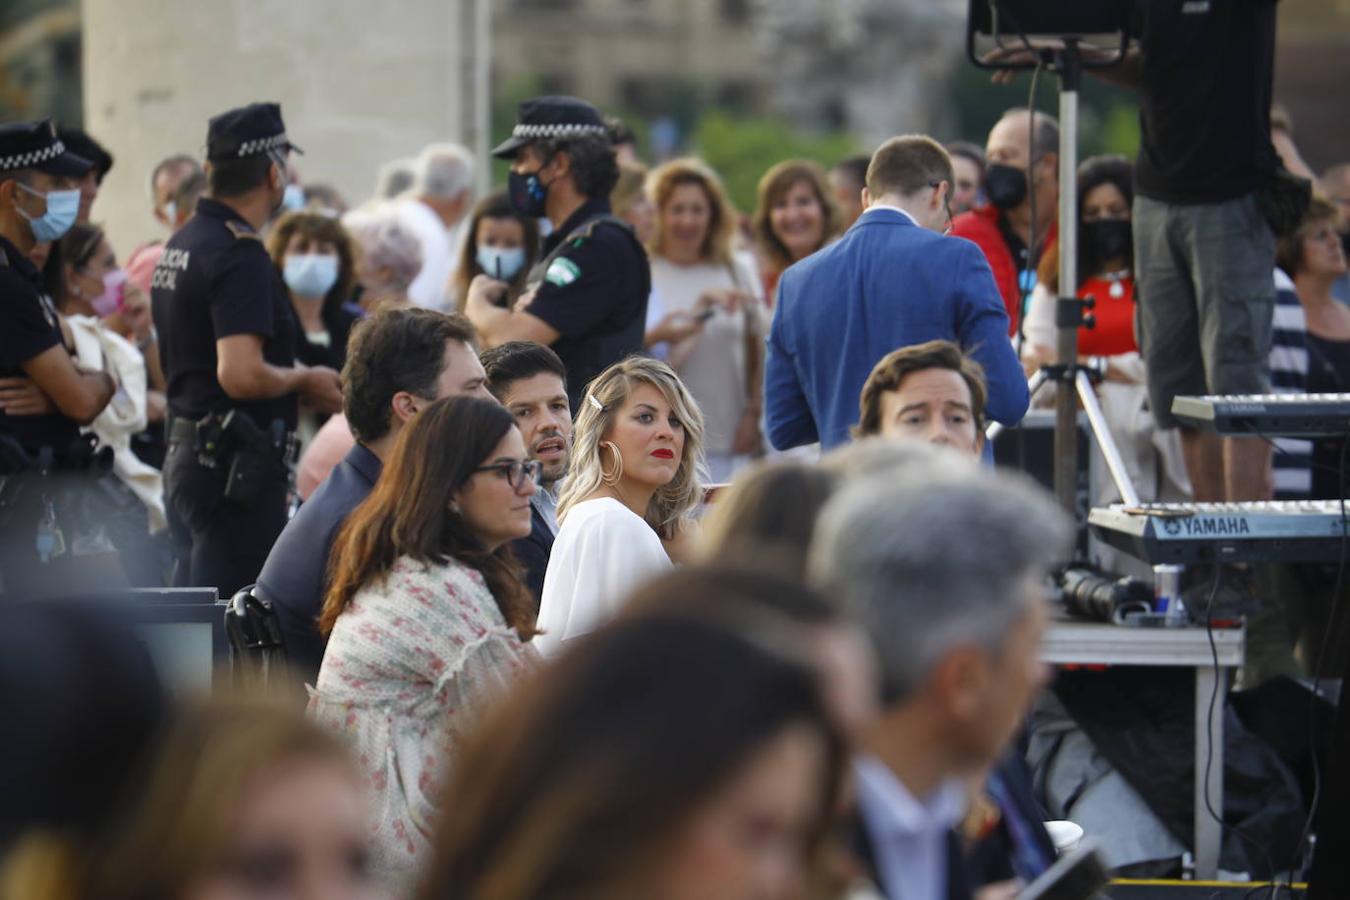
891, 281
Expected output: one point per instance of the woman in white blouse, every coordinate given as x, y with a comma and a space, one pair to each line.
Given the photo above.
636, 476
426, 615
717, 295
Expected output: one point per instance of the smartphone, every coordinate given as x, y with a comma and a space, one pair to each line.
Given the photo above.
705, 315
1078, 875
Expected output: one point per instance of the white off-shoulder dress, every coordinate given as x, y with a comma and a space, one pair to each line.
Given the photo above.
603, 551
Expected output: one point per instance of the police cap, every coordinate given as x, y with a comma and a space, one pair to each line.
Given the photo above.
247, 131
79, 140
541, 118
34, 145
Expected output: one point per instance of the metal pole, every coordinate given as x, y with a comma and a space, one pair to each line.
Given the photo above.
1105, 441
994, 429
482, 91
1066, 345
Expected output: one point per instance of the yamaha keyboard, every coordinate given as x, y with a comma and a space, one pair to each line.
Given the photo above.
1273, 415
1182, 533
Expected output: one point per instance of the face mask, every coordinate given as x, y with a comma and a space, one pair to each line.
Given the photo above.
501, 262
171, 213
1345, 244
527, 193
62, 207
1005, 186
1108, 238
293, 198
311, 274
112, 298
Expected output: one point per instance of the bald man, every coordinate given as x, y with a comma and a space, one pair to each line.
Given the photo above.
1017, 176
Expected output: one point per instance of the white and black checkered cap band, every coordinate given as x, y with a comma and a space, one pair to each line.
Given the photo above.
549, 131
262, 145
31, 158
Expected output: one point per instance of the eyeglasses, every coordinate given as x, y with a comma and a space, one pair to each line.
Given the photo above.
516, 471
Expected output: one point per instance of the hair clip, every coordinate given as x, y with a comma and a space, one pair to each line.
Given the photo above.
600, 407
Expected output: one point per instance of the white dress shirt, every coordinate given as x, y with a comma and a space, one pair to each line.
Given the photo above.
430, 289
908, 836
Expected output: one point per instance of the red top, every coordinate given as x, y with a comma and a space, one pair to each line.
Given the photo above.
981, 226
1114, 333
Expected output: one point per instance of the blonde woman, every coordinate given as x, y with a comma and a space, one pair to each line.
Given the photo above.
697, 276
636, 476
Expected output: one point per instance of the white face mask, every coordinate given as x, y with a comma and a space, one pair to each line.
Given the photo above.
311, 274
171, 213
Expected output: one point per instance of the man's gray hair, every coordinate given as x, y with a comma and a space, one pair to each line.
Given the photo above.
933, 560
386, 242
394, 178
443, 170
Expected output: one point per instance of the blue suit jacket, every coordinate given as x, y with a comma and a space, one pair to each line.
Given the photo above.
886, 284
294, 577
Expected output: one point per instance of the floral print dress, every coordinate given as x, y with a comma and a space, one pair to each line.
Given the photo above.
411, 664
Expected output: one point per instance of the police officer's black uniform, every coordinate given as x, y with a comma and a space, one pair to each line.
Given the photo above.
594, 280
226, 472
37, 453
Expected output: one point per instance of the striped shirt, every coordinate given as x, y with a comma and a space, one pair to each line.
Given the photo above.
1289, 375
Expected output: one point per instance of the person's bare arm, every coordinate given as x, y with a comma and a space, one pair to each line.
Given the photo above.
78, 395
1124, 74
245, 375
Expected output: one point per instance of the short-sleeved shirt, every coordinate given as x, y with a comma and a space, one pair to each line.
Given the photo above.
594, 294
213, 281
28, 328
1206, 71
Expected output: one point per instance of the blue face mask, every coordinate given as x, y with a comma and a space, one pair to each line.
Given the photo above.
501, 262
62, 208
311, 274
293, 198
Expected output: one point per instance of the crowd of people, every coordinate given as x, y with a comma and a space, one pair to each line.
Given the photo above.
623, 543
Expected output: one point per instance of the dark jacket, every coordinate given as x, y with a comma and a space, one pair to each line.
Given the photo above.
532, 553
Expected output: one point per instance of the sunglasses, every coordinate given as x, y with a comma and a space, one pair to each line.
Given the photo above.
516, 471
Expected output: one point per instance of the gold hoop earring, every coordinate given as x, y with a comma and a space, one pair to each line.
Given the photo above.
611, 478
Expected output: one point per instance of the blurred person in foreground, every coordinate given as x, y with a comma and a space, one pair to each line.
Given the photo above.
625, 510
240, 800
662, 756
401, 361
1016, 183
968, 165
957, 676
892, 281
530, 381
794, 217
719, 353
501, 243
433, 210
587, 298
426, 616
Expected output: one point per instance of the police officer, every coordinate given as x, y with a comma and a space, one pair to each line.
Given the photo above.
44, 397
227, 342
587, 298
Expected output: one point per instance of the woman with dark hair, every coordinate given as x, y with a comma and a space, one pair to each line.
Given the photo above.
1106, 276
663, 757
426, 614
794, 217
500, 243
240, 799
314, 254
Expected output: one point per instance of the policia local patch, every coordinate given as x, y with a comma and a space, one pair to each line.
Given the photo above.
562, 272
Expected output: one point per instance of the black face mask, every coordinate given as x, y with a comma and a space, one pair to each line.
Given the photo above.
1345, 243
1108, 238
1005, 186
